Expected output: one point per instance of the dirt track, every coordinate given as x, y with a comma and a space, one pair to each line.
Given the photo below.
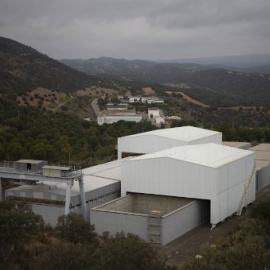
189, 244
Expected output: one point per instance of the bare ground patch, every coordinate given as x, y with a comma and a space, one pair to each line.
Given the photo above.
148, 91
96, 91
189, 99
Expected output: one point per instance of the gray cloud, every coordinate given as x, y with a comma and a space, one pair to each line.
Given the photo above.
153, 29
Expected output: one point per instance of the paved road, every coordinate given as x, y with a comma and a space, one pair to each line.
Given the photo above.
95, 106
189, 244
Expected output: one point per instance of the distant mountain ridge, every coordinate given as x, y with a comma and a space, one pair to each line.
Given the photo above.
23, 68
254, 87
230, 62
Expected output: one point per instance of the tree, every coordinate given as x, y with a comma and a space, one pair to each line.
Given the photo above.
262, 211
74, 228
18, 225
42, 151
15, 151
67, 256
129, 253
244, 249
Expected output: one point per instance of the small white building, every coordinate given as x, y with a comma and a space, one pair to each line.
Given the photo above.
156, 116
148, 100
157, 140
110, 117
153, 113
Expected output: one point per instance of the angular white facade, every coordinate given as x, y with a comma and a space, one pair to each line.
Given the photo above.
149, 142
208, 171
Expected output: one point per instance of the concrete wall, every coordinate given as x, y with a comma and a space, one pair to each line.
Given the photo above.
183, 220
172, 225
115, 222
263, 177
49, 213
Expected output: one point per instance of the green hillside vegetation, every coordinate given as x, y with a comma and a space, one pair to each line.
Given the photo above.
23, 69
60, 137
230, 86
27, 243
246, 248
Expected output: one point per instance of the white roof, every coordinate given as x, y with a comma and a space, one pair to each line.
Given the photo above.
186, 133
211, 155
60, 168
96, 177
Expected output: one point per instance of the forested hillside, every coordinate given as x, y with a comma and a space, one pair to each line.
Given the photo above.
240, 86
23, 69
26, 132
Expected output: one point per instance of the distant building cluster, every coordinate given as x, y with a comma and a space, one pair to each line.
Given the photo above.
121, 111
157, 117
148, 100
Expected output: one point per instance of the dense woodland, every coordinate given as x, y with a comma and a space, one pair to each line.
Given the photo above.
27, 132
64, 138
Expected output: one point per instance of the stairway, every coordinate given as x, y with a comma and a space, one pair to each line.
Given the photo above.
154, 227
246, 189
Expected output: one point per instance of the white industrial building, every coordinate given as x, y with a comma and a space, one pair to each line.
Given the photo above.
165, 193
172, 181
157, 140
207, 171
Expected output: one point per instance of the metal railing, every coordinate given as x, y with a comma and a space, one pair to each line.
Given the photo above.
7, 164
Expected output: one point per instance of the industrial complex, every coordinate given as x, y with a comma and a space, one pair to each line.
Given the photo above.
163, 184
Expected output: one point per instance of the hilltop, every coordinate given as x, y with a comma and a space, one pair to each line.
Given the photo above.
23, 69
205, 82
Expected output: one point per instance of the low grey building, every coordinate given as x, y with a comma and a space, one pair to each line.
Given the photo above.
156, 219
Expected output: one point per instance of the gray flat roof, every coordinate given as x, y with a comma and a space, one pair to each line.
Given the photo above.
110, 170
262, 154
237, 144
61, 168
145, 204
30, 161
261, 147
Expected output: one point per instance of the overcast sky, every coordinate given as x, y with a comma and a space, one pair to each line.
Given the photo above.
138, 29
